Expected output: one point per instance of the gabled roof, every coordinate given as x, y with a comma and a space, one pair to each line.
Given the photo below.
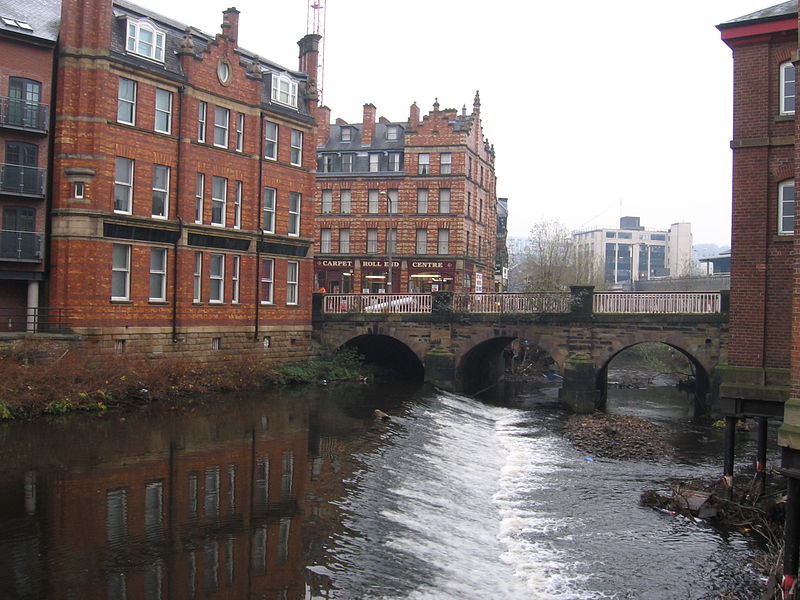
773, 13
32, 18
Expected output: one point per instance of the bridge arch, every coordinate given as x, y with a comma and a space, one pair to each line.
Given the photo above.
387, 352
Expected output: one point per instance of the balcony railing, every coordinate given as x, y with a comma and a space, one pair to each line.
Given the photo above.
22, 114
41, 319
536, 302
19, 179
660, 302
20, 245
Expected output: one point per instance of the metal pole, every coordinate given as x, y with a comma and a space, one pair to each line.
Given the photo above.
389, 242
761, 457
730, 439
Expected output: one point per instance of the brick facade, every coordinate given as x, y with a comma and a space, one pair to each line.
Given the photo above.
174, 226
440, 160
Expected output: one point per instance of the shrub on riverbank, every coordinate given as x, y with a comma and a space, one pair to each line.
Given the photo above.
34, 383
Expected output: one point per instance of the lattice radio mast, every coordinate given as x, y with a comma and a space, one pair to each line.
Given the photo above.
315, 23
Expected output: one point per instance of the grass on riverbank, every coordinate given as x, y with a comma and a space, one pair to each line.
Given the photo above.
34, 384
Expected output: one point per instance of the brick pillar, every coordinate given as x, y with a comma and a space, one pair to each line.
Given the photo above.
579, 390
368, 126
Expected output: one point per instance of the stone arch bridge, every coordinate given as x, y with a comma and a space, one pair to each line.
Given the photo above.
457, 339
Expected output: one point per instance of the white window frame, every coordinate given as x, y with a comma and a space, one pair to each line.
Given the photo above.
346, 134
443, 241
345, 201
422, 200
787, 78
292, 282
393, 196
160, 192
123, 187
163, 110
284, 90
392, 132
295, 204
445, 163
421, 245
347, 162
268, 216
136, 45
158, 274
373, 201
240, 132
374, 162
125, 101
394, 161
344, 240
121, 267
783, 204
222, 121
296, 156
237, 205
444, 201
325, 240
267, 280
391, 240
424, 163
202, 120
270, 140
372, 240
220, 202
197, 287
235, 269
327, 201
216, 279
199, 195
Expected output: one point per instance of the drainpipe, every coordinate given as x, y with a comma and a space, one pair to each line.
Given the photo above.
261, 228
181, 99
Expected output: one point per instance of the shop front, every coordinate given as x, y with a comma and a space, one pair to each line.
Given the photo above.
425, 276
334, 275
375, 277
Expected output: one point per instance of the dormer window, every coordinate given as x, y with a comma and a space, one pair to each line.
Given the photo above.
391, 132
145, 40
346, 134
284, 90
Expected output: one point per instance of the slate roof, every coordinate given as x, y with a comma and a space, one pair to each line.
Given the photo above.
773, 13
379, 141
42, 16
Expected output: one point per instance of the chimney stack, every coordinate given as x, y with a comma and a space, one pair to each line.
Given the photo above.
230, 24
323, 117
413, 117
368, 125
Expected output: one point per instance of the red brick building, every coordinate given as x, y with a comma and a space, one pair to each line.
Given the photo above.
183, 178
764, 350
418, 194
27, 52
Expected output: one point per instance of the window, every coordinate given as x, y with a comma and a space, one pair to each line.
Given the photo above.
374, 162
391, 240
221, 120
424, 164
78, 190
327, 201
116, 515
422, 201
120, 272
160, 208
145, 40
237, 205
372, 241
292, 273
239, 132
786, 207
325, 240
202, 116
444, 241
126, 101
466, 245
295, 200
444, 200
219, 194
163, 121
211, 497
198, 275
284, 90
270, 141
235, 279
217, 278
123, 185
787, 91
24, 107
445, 163
345, 134
394, 161
480, 245
392, 132
345, 201
267, 267
394, 199
269, 210
158, 274
422, 241
347, 163
344, 240
200, 185
296, 157
372, 201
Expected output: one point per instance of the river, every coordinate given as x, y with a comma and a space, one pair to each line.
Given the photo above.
303, 494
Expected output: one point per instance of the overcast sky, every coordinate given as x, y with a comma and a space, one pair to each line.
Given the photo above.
596, 109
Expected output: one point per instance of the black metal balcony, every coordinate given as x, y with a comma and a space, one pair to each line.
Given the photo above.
22, 180
23, 114
21, 246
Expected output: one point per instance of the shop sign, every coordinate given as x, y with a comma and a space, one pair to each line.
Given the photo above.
379, 263
327, 262
432, 264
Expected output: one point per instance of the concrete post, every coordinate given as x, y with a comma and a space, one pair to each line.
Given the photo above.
582, 300
33, 306
442, 302
579, 389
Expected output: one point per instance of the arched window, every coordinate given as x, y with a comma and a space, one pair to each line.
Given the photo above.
787, 89
786, 207
145, 40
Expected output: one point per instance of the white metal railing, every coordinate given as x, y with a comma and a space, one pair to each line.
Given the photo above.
535, 302
377, 303
666, 302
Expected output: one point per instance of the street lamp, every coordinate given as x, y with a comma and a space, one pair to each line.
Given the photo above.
389, 241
